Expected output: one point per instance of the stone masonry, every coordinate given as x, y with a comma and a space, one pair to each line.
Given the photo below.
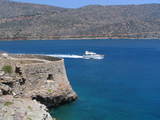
42, 78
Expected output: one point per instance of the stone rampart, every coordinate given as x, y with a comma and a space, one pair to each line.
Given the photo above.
37, 77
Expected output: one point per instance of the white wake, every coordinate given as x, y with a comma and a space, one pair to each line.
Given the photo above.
98, 57
64, 56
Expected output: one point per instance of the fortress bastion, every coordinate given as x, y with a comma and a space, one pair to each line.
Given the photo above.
42, 78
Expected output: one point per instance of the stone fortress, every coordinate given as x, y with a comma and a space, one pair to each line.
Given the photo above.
35, 77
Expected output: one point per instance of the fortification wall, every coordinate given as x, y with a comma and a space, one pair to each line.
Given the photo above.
38, 77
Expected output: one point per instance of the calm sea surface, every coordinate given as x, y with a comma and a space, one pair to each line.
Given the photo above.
123, 86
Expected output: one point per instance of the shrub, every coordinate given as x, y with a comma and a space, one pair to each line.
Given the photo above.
8, 103
50, 91
28, 118
7, 69
29, 107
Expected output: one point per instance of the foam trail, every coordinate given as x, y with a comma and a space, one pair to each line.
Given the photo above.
64, 56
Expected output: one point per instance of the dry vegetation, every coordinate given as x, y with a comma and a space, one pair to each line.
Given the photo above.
30, 21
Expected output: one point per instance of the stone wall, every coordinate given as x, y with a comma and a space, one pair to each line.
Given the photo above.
37, 77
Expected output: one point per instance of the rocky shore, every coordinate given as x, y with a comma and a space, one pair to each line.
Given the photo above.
30, 84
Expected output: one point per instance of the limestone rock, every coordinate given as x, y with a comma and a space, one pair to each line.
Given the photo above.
5, 89
22, 109
2, 73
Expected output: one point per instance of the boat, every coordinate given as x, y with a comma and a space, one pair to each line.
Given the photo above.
92, 55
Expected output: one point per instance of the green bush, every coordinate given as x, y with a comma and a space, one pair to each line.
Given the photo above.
28, 118
8, 103
29, 107
7, 69
50, 91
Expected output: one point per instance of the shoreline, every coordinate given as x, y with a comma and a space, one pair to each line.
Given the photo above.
75, 39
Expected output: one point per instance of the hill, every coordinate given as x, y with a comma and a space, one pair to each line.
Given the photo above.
31, 21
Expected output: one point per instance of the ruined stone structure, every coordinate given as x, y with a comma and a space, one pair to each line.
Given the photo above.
42, 78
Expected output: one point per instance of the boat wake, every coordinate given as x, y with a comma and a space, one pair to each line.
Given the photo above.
86, 55
65, 56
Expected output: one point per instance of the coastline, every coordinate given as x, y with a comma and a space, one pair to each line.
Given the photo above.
75, 39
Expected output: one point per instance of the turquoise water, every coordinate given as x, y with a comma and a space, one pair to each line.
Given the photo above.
123, 86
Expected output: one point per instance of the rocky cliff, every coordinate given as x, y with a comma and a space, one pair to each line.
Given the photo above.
35, 77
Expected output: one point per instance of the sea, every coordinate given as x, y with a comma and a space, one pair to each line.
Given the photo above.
125, 85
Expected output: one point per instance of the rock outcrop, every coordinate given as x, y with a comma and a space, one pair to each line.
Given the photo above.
35, 77
22, 109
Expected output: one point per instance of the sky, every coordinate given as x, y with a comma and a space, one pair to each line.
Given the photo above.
80, 3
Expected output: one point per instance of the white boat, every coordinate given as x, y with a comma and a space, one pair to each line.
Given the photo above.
92, 55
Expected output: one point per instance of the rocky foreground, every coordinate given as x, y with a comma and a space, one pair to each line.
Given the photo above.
22, 109
29, 84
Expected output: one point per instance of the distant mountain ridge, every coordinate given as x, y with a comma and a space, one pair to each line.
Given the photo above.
31, 21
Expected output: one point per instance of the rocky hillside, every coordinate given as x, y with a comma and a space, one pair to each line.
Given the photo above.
30, 21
